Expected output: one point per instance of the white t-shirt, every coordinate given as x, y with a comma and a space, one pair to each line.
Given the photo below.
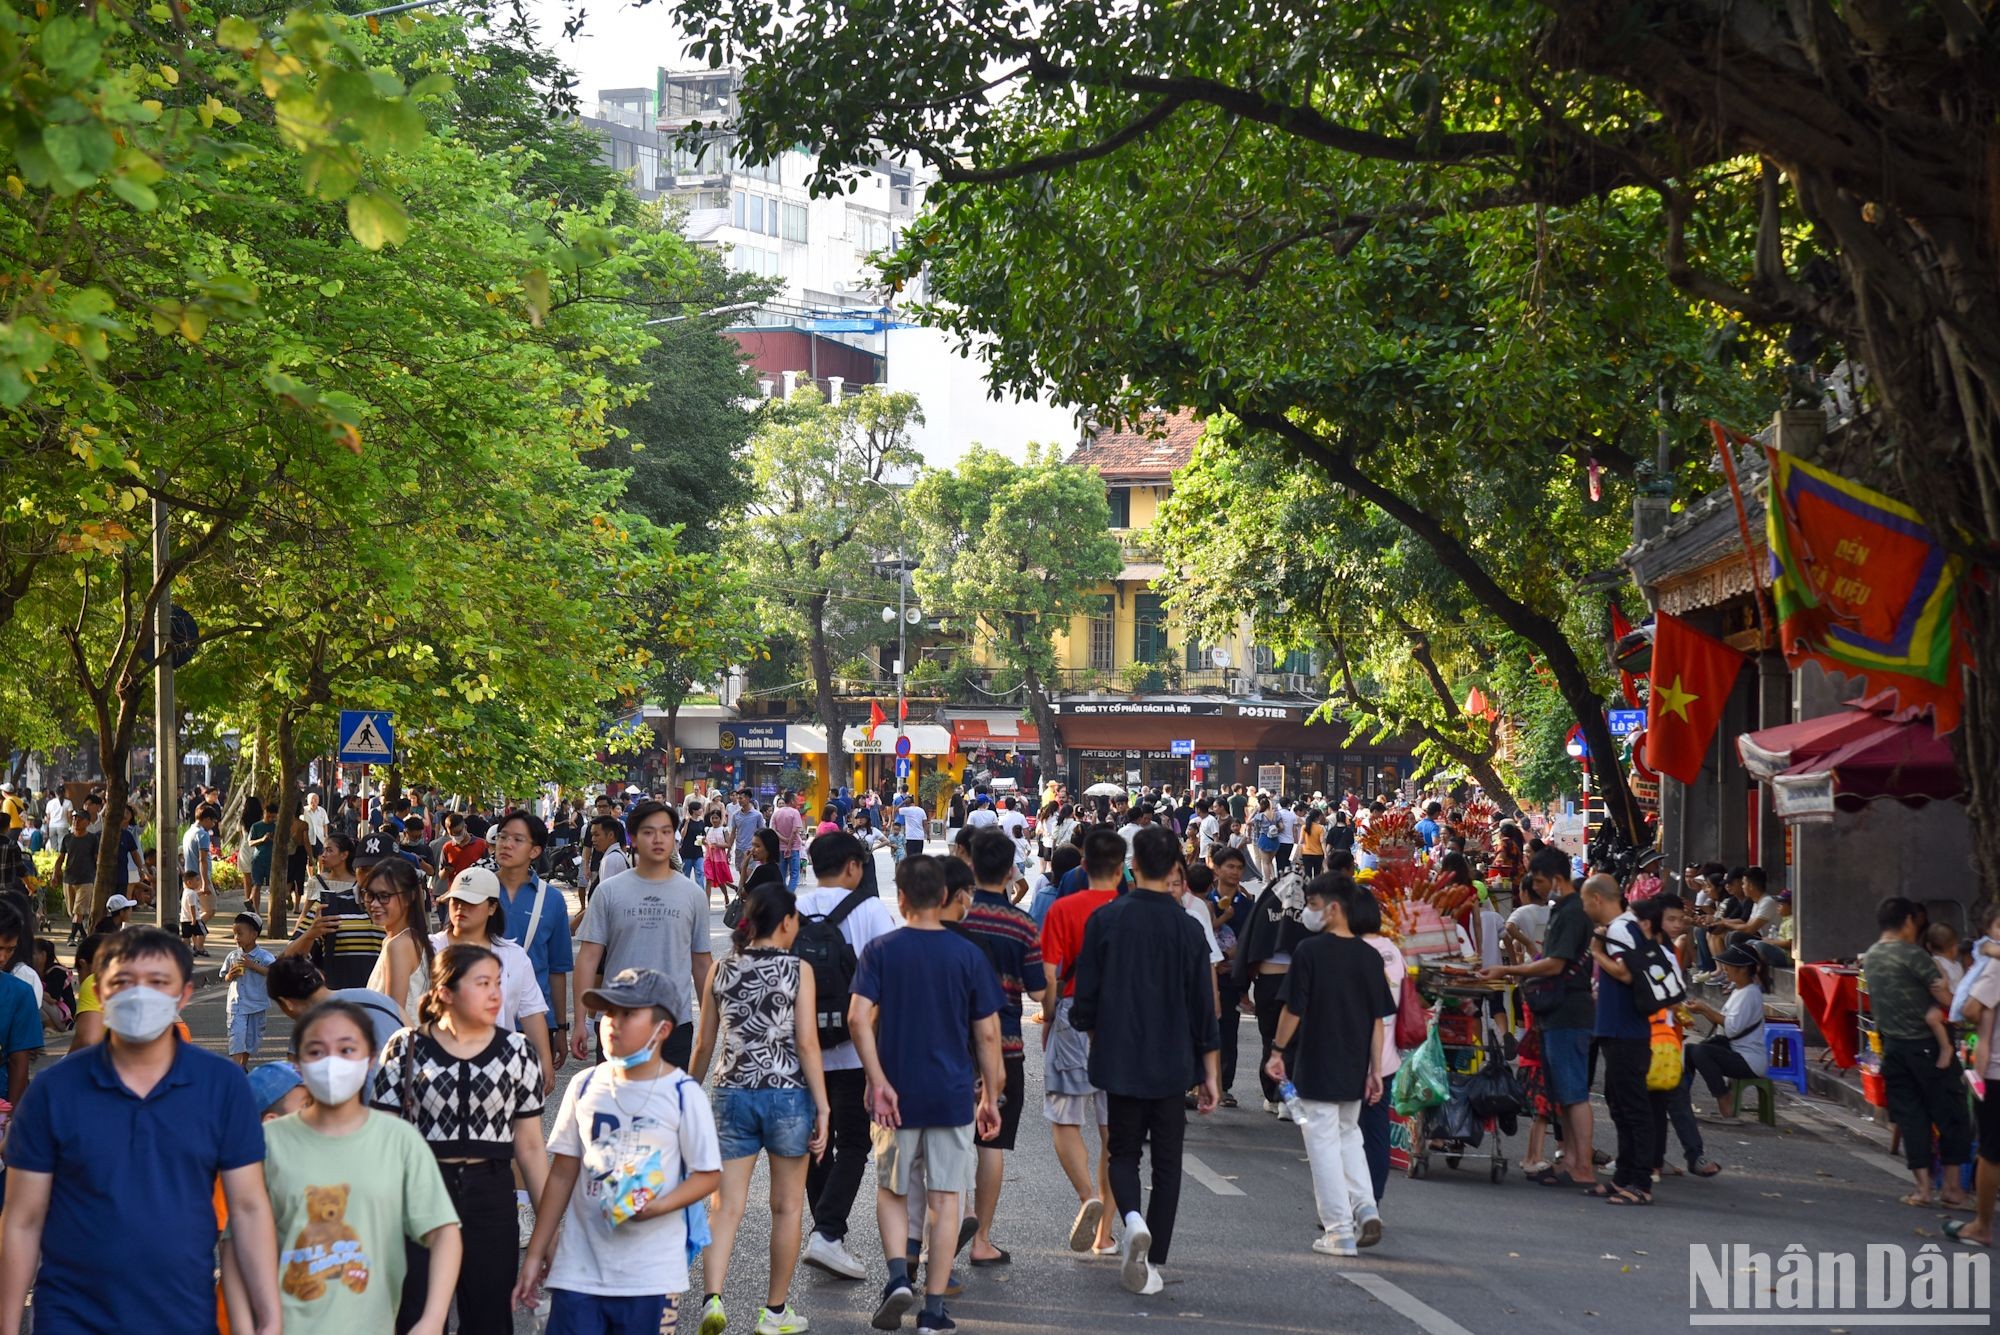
520, 994
1205, 834
315, 819
26, 973
57, 816
626, 1118
980, 817
1952, 970
1013, 822
1288, 826
871, 920
613, 862
1197, 908
1491, 924
1763, 917
912, 820
190, 905
1743, 1015
1533, 921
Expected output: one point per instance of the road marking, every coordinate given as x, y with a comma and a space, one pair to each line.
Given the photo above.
1423, 1314
1208, 1177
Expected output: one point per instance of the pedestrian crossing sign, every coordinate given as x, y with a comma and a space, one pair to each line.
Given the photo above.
367, 737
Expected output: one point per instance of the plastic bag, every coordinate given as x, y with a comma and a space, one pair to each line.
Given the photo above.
1422, 1081
1664, 1071
1495, 1091
1458, 1121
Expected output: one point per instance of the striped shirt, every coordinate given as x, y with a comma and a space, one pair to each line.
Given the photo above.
1010, 940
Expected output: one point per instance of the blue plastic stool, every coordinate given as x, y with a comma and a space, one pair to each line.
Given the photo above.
1793, 1069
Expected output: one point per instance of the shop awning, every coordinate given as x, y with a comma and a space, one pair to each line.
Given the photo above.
803, 739
1857, 755
926, 739
1010, 732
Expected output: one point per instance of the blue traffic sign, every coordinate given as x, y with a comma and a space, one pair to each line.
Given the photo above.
367, 737
1625, 722
903, 746
1183, 746
1203, 760
903, 768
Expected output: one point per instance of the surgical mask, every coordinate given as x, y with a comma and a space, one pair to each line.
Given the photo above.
140, 1014
333, 1080
631, 1061
1312, 919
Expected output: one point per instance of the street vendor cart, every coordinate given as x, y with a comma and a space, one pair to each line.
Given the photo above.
1476, 1030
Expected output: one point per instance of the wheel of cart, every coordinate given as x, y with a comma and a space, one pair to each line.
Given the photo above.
1420, 1146
1499, 1169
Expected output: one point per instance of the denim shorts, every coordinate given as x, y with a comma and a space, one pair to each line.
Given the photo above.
778, 1121
246, 1032
1566, 1058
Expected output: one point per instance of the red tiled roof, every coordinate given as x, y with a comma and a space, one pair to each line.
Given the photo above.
1152, 450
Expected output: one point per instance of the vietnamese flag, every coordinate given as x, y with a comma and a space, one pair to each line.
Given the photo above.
876, 718
1692, 676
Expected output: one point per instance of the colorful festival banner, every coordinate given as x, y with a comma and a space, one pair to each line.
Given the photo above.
1863, 588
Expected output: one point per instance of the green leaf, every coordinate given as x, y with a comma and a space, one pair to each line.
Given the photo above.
69, 46
376, 219
332, 172
139, 195
236, 33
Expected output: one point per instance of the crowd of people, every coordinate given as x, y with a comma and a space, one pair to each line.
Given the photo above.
438, 980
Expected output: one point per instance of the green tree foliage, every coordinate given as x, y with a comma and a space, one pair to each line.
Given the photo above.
1322, 127
825, 509
1013, 550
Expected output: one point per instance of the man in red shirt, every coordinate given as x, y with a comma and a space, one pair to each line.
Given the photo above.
789, 825
460, 848
1068, 1098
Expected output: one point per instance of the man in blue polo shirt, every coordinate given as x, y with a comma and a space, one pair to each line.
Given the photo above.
135, 1128
537, 915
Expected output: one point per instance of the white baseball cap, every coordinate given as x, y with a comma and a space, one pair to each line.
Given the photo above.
117, 902
474, 885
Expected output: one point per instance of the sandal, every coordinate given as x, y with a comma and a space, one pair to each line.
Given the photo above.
1919, 1200
1548, 1177
1604, 1191
1955, 1228
1704, 1168
1626, 1196
1668, 1170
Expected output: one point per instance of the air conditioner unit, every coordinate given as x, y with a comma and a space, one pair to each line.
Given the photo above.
1299, 683
1236, 684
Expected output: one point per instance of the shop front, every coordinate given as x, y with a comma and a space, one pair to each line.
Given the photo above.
754, 754
879, 766
1264, 744
998, 746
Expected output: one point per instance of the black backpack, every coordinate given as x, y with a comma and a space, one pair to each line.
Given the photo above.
826, 952
1656, 981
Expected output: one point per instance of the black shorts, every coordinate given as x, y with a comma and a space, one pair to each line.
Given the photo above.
1011, 1099
191, 930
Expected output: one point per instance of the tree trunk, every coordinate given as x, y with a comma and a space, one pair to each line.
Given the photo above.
285, 798
820, 655
114, 756
1045, 721
671, 746
243, 782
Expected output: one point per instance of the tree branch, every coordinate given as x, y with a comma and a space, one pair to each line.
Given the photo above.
1136, 128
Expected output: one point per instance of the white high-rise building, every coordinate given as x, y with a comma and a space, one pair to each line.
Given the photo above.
832, 317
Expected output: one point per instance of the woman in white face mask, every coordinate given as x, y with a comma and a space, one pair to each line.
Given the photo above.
347, 1186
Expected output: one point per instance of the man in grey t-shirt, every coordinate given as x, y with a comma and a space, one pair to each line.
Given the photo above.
650, 917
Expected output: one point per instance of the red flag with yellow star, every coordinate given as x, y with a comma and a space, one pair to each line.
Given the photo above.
1692, 675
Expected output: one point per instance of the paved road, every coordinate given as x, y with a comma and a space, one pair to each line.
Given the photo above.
1459, 1254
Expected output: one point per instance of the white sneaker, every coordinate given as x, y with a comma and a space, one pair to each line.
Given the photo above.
1275, 1109
1153, 1282
1335, 1244
1138, 1239
1369, 1222
784, 1321
832, 1257
1084, 1229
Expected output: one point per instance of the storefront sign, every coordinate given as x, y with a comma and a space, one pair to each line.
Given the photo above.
1271, 778
1264, 711
751, 739
1172, 708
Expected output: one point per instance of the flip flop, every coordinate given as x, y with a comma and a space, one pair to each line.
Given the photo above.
1626, 1196
1002, 1259
1955, 1228
1963, 1207
1917, 1201
1548, 1177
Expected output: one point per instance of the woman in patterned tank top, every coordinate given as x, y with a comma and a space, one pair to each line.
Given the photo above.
770, 1094
475, 1092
